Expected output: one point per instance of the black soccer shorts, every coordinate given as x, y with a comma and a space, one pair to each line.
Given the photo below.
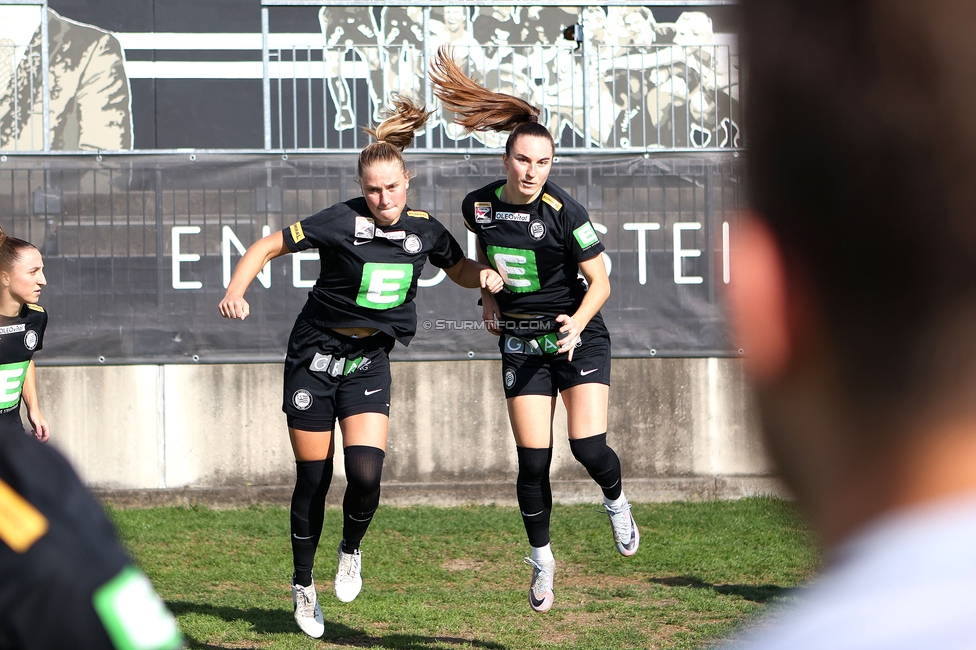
531, 367
329, 376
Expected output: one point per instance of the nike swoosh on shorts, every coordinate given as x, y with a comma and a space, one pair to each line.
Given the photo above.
370, 392
360, 242
584, 373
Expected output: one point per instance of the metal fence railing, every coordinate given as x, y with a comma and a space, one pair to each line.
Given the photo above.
622, 82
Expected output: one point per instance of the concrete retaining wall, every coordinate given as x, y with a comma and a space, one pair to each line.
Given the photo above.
683, 428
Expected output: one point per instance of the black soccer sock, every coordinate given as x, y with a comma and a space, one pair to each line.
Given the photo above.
364, 468
307, 512
600, 462
534, 492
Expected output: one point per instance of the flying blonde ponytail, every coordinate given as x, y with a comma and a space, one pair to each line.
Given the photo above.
393, 134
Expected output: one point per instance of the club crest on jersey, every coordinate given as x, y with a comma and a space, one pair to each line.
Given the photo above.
482, 212
30, 340
365, 228
412, 244
513, 216
537, 230
302, 399
509, 378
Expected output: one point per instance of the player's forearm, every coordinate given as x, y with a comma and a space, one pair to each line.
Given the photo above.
29, 390
596, 296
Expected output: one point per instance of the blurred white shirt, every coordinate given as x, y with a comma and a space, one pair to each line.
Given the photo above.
907, 582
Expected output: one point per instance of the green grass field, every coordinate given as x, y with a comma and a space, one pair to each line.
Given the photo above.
454, 577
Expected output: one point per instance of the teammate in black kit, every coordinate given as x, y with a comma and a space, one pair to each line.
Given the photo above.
373, 249
22, 324
552, 337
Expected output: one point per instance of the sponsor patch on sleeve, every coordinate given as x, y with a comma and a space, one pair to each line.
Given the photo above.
585, 235
420, 214
21, 524
134, 615
35, 307
482, 212
297, 234
551, 200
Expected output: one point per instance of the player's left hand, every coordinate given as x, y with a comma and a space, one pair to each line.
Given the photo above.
41, 430
491, 281
569, 334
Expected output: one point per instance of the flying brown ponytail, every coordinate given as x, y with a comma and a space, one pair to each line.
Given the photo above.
479, 109
393, 134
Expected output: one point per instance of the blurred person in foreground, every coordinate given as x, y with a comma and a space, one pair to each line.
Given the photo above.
66, 582
855, 299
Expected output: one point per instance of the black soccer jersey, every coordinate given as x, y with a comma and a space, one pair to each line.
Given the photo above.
536, 247
20, 338
369, 273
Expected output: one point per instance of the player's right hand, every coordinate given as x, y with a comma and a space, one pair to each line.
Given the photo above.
490, 313
234, 307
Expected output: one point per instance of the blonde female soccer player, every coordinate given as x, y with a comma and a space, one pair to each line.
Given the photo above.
373, 249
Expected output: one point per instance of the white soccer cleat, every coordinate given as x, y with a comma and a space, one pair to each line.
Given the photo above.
308, 614
349, 579
540, 591
625, 532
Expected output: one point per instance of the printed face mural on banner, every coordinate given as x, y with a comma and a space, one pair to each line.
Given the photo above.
652, 84
89, 90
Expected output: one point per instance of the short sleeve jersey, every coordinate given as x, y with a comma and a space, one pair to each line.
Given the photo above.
369, 273
536, 248
20, 338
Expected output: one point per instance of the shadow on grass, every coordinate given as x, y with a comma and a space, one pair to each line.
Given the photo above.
754, 593
275, 621
264, 621
415, 642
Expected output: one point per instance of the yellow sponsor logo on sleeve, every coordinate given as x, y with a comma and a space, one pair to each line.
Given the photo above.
297, 234
420, 214
551, 200
21, 524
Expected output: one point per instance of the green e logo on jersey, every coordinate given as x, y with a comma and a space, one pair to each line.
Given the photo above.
12, 377
517, 268
384, 286
585, 236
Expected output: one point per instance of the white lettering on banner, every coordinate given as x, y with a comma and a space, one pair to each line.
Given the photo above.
726, 263
681, 253
511, 266
227, 237
641, 228
181, 258
383, 292
434, 281
12, 329
296, 268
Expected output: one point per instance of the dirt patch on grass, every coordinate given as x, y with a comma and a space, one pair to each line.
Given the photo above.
463, 564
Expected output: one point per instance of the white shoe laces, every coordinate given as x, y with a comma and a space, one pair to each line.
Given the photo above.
542, 576
620, 522
305, 601
349, 565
